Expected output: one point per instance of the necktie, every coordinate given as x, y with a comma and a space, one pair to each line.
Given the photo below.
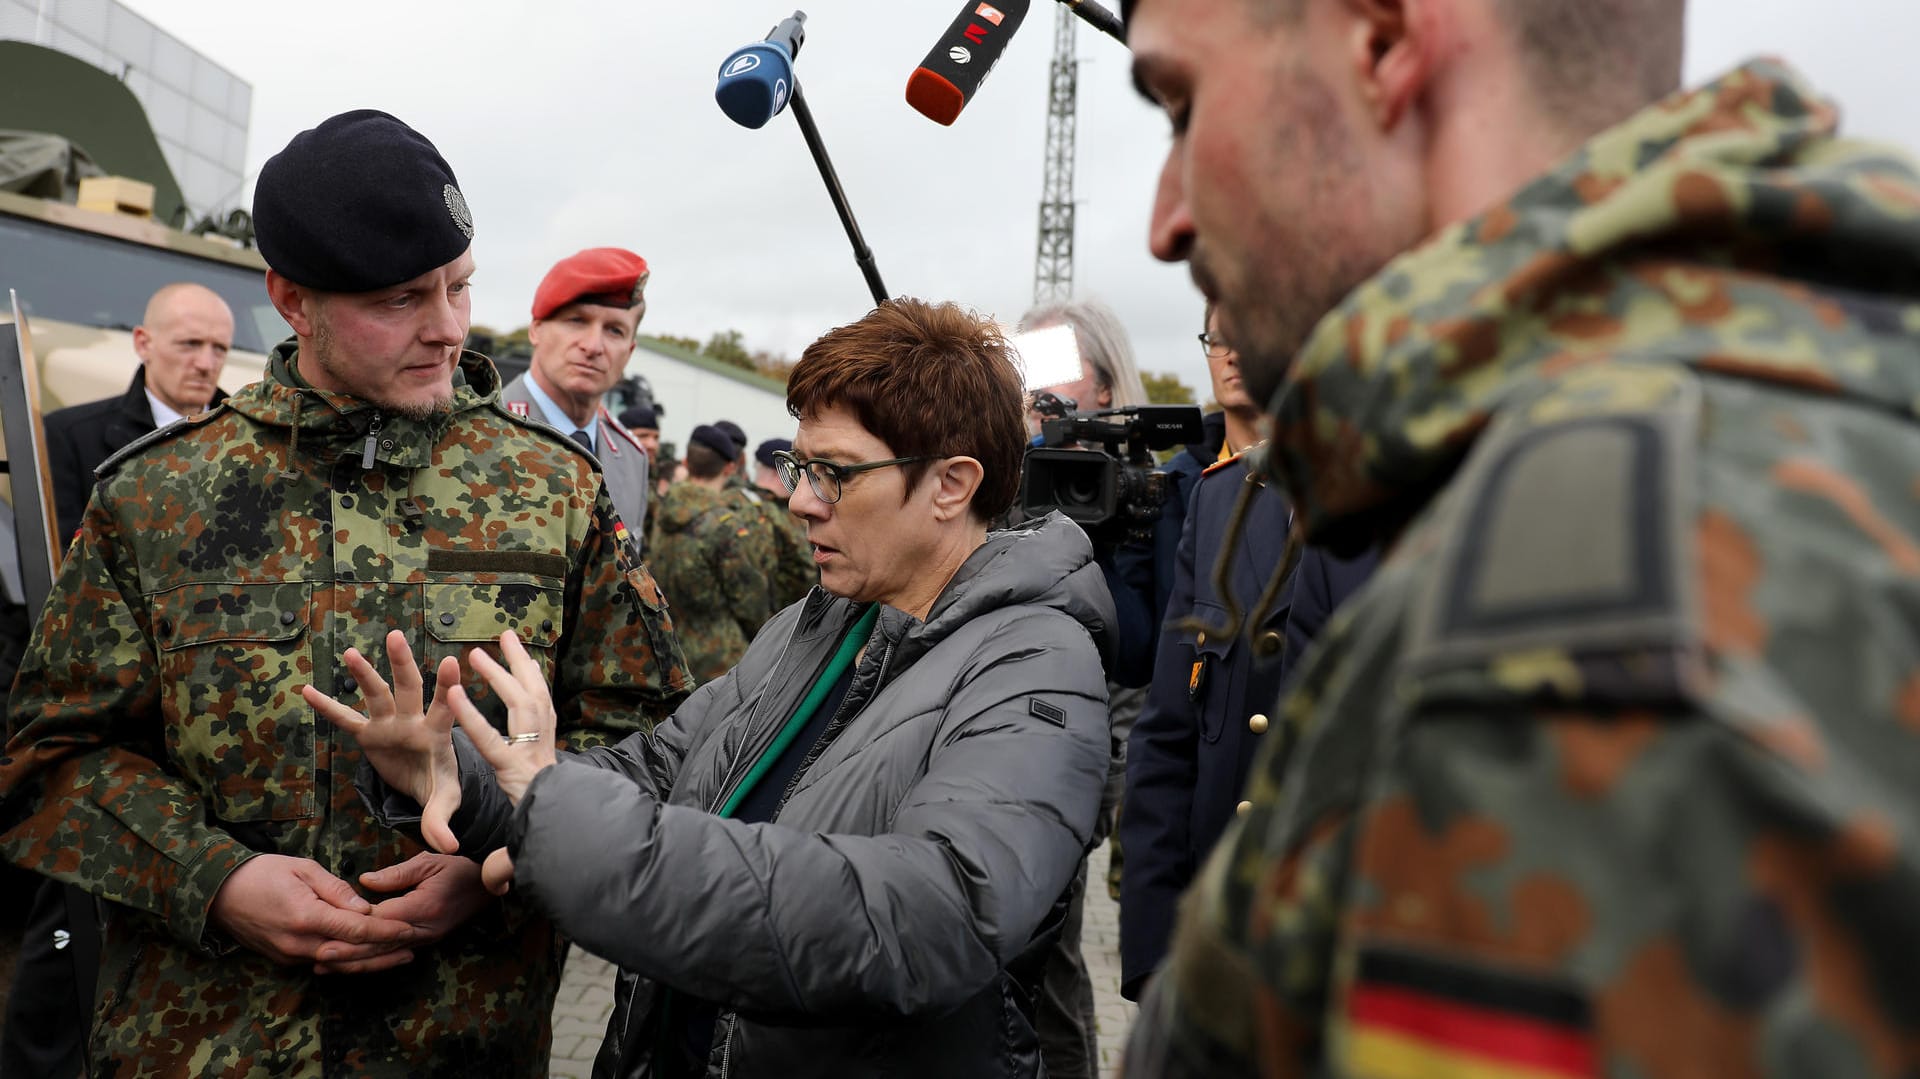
585, 439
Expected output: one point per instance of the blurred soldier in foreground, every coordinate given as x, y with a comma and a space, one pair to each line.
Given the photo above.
182, 342
163, 757
1614, 767
585, 313
706, 548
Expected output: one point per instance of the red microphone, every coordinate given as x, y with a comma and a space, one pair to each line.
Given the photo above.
947, 78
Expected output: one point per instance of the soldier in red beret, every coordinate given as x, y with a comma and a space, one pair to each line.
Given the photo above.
585, 314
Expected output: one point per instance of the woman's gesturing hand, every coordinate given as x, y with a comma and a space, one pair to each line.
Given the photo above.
528, 747
411, 747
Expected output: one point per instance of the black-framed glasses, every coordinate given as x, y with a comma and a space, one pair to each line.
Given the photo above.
824, 476
1214, 346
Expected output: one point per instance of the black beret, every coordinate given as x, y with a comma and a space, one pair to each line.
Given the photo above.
716, 440
764, 452
359, 203
640, 418
734, 431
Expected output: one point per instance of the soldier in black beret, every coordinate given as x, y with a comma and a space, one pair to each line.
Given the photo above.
363, 213
173, 754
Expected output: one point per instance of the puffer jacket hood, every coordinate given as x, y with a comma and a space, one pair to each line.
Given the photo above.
284, 399
1661, 240
1047, 563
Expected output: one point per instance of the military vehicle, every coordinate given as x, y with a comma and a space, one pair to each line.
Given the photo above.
84, 275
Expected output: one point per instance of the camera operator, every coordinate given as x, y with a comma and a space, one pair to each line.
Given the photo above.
1109, 378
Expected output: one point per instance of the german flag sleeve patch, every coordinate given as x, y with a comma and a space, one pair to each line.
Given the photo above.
1415, 1017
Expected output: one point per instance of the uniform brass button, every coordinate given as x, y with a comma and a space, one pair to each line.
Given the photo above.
446, 620
1270, 643
1257, 723
1200, 639
1242, 808
287, 617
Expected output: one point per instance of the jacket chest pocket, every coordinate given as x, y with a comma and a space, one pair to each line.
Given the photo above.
461, 617
232, 660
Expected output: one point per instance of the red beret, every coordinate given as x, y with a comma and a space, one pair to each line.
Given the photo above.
609, 276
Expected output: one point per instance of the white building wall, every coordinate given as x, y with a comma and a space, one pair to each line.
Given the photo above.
199, 110
694, 395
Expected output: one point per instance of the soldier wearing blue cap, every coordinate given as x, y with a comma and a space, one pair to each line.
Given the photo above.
370, 489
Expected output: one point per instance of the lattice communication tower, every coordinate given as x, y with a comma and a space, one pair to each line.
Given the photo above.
1053, 263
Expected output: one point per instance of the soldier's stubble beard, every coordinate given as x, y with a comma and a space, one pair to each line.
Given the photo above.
327, 360
1304, 251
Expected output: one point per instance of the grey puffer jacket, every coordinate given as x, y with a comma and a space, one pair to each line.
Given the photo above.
877, 925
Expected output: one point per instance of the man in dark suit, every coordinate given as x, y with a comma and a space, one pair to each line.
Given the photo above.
1215, 675
182, 345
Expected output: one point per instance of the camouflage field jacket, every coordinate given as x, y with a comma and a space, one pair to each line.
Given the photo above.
159, 739
1614, 767
713, 551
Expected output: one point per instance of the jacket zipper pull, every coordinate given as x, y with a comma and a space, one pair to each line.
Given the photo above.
373, 442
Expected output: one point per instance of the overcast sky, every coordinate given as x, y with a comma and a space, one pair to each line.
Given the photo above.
575, 124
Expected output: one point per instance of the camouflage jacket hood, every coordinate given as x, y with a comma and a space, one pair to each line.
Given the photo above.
1727, 228
285, 399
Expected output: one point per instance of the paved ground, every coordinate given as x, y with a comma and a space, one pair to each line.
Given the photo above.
586, 995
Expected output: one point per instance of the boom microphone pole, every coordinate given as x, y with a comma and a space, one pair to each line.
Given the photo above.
756, 84
1099, 18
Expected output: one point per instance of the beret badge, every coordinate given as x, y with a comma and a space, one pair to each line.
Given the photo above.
457, 206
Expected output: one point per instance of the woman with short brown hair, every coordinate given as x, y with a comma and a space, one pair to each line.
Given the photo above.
845, 856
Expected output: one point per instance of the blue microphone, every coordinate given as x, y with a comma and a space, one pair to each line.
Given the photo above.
756, 81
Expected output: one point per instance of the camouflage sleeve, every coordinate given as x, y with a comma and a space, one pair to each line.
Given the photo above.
85, 795
745, 588
621, 668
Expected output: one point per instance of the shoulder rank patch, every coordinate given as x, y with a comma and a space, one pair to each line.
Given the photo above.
151, 438
1567, 547
1225, 462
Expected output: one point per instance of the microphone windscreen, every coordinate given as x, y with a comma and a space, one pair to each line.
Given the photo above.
947, 79
933, 96
756, 83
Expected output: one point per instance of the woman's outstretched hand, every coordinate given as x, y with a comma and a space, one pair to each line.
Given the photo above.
410, 746
528, 747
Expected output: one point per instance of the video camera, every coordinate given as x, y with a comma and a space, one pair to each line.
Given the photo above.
1114, 492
